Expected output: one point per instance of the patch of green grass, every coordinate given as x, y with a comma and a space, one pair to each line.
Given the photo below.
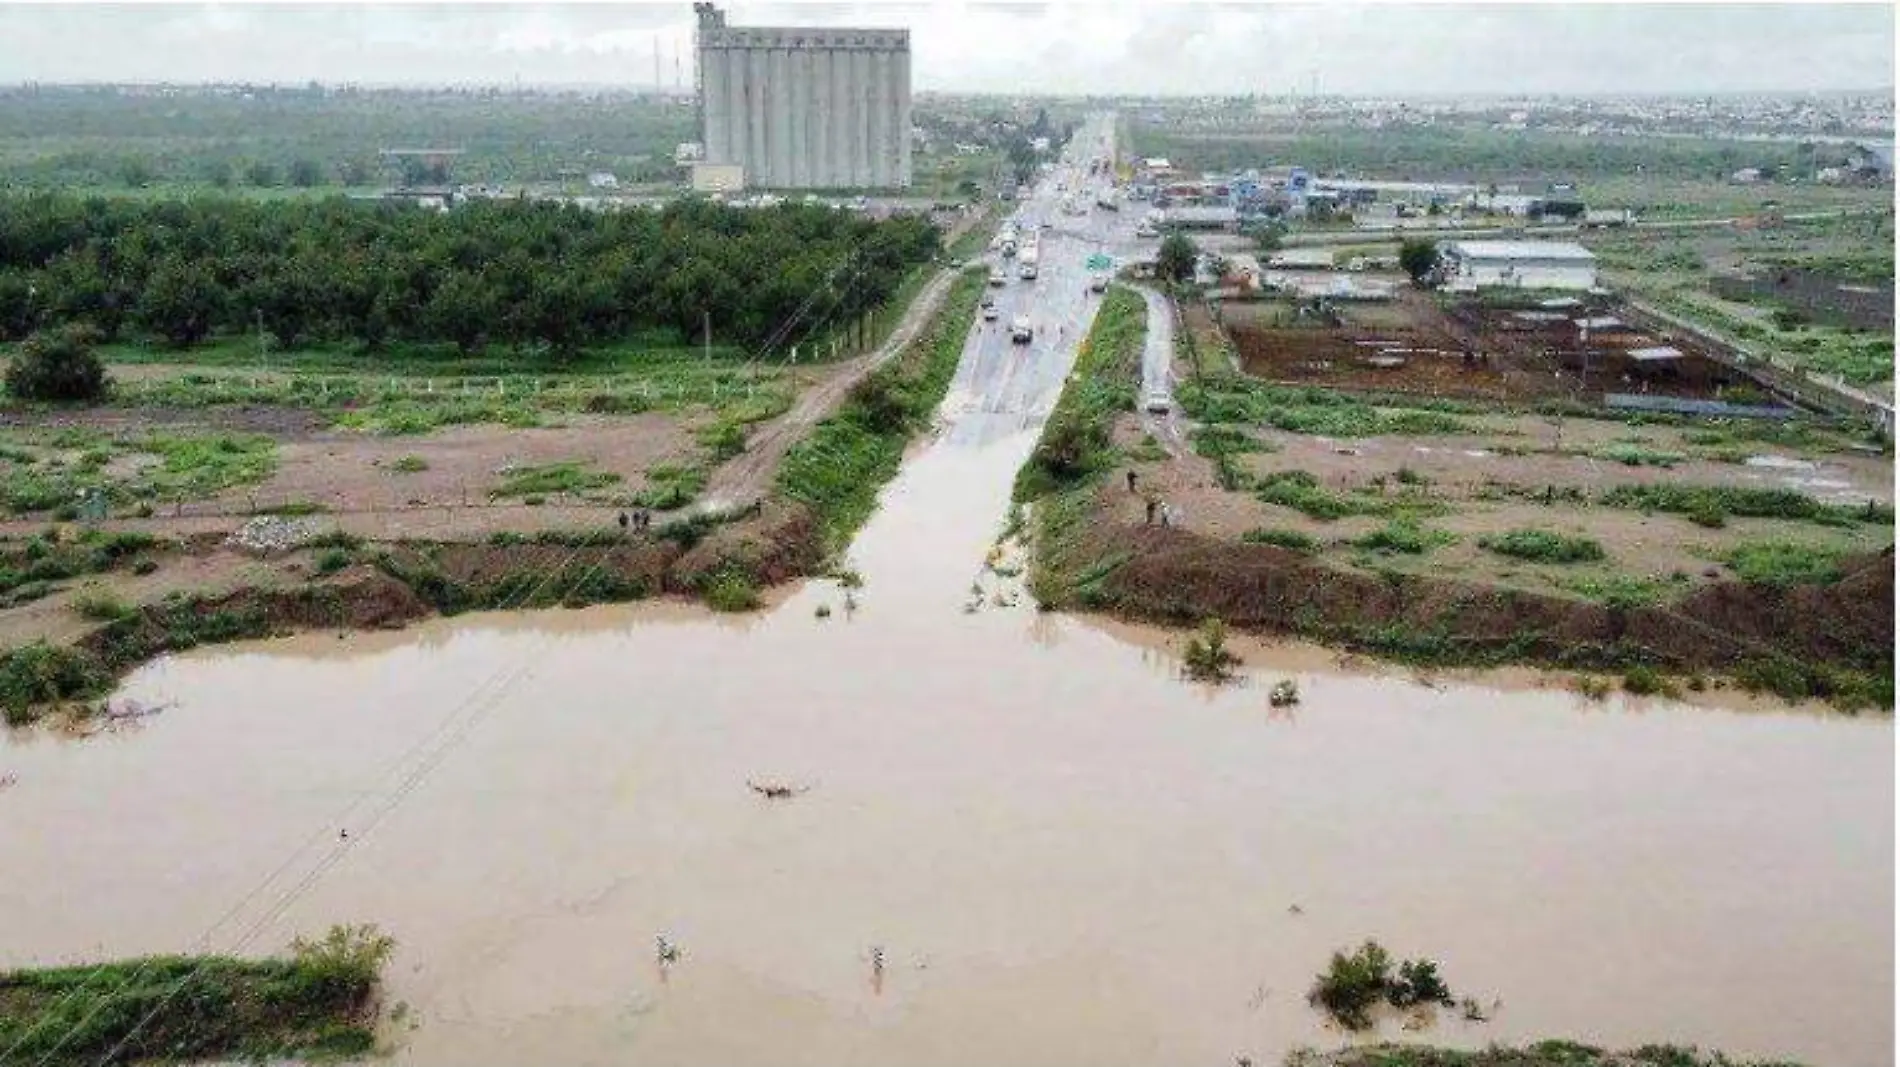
1221, 444
1620, 590
1148, 450
1538, 1054
1232, 398
1847, 688
1785, 563
1635, 455
1301, 491
1403, 536
100, 605
567, 477
1292, 539
1543, 546
670, 487
199, 466
321, 1001
409, 465
1709, 504
723, 440
1074, 447
292, 508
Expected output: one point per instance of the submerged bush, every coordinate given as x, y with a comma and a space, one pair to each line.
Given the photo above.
1207, 658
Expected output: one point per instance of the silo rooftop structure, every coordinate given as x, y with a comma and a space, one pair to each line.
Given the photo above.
812, 107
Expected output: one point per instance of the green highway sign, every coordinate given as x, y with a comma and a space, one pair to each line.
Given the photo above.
1099, 261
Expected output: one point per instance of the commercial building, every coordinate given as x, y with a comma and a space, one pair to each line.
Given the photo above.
805, 107
1520, 264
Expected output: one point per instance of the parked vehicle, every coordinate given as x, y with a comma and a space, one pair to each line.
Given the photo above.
1156, 403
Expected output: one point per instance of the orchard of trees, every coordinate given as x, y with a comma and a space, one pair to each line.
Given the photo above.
519, 273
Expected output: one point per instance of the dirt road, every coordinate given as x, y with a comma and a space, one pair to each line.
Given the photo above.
743, 481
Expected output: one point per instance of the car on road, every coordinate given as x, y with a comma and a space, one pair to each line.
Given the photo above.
997, 277
1099, 283
990, 310
1156, 402
1020, 331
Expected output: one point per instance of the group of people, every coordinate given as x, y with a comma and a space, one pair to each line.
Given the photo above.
639, 520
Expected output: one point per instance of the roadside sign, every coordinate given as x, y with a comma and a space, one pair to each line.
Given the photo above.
1099, 261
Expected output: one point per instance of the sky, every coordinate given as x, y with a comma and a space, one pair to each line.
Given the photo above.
1069, 47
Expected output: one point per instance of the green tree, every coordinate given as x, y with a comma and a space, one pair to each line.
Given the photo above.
58, 365
261, 175
1175, 261
180, 302
353, 172
136, 172
305, 173
1418, 258
219, 173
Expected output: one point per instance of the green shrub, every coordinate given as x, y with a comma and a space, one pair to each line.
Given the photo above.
409, 465
145, 566
100, 605
731, 590
1645, 681
58, 366
1542, 546
40, 673
1301, 491
1207, 658
1353, 985
1402, 536
1784, 563
332, 560
1292, 539
723, 439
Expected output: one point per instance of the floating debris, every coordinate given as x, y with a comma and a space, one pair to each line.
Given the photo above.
1284, 694
776, 790
665, 951
8, 781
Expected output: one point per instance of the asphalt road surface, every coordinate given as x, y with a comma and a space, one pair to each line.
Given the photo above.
1003, 387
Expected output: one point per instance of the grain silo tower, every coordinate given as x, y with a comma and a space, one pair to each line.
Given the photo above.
812, 107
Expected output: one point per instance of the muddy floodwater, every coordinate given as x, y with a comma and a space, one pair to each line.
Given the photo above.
1065, 853
1060, 851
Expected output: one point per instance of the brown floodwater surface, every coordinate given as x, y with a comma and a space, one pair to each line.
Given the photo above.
1064, 853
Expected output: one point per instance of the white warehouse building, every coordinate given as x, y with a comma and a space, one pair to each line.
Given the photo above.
805, 107
1467, 265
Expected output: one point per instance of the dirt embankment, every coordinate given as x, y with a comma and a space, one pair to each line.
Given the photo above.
389, 585
1173, 575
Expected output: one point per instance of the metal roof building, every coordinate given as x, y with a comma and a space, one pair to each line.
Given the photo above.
1517, 264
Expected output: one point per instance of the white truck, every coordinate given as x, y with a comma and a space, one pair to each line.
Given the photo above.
1026, 263
1020, 332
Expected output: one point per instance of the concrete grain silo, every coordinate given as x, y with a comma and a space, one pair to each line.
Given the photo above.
805, 107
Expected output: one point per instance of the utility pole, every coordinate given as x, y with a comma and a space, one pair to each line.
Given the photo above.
708, 316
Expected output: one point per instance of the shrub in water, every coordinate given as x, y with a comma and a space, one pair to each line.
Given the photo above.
1207, 657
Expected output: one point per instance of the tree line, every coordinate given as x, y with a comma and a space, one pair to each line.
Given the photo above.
527, 274
266, 137
1446, 154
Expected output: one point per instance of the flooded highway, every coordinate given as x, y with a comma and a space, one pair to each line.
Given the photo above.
1059, 851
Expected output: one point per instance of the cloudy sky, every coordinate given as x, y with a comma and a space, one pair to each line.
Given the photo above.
1106, 46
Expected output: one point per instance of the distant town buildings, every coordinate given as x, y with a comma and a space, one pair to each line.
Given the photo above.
805, 107
1468, 265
